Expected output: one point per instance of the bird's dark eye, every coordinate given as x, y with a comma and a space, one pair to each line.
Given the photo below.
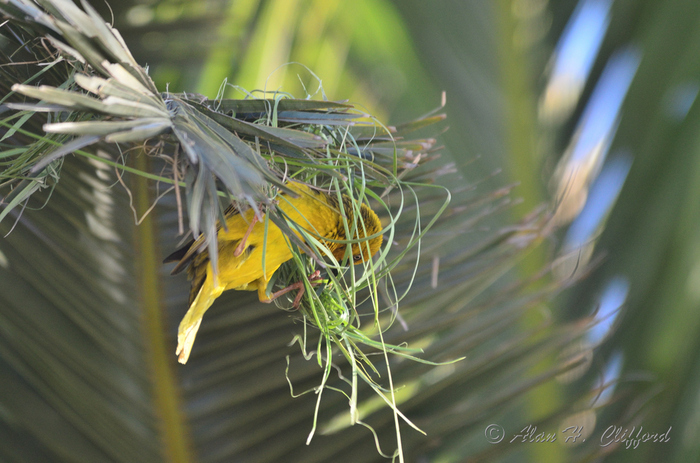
357, 258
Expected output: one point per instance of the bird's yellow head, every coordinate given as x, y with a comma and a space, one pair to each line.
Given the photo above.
368, 225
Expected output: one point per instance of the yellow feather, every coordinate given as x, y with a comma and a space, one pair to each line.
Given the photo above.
317, 213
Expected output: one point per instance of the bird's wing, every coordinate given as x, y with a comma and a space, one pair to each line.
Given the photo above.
184, 255
197, 273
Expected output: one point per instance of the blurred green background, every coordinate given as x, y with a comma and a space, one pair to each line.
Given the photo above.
589, 105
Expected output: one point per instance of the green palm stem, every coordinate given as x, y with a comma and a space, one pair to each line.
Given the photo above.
521, 131
176, 443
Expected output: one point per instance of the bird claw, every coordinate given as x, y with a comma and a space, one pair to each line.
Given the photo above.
242, 245
302, 289
299, 285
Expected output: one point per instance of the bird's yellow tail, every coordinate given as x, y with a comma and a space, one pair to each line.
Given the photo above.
189, 325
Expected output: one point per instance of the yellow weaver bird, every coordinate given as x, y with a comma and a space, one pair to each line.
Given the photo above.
240, 262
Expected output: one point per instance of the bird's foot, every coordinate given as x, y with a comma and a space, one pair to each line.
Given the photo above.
299, 286
242, 245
